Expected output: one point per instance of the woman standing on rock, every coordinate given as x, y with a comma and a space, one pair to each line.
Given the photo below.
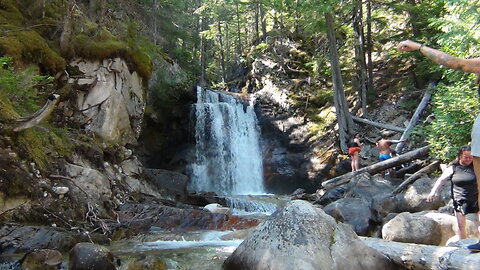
354, 150
464, 188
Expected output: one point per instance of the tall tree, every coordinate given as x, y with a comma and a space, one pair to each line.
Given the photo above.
360, 54
344, 119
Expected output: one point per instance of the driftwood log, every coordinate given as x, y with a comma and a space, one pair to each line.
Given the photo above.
416, 116
425, 257
377, 167
38, 116
377, 124
427, 169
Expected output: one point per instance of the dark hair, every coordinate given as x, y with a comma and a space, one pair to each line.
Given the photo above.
459, 153
463, 149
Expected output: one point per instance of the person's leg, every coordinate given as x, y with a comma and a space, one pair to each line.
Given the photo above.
355, 161
352, 163
461, 223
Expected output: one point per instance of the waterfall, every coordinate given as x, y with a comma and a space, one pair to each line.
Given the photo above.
228, 159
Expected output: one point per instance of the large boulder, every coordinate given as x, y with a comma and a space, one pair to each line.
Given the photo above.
43, 259
171, 183
88, 256
353, 211
415, 197
413, 228
301, 236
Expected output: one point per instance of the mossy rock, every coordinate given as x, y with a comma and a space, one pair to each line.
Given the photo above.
43, 145
29, 47
104, 45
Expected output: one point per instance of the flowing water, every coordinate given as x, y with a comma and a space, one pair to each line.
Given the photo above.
229, 163
228, 158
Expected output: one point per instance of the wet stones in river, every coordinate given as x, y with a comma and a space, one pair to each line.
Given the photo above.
43, 259
88, 256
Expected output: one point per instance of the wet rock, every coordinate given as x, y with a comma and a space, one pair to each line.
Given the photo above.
172, 182
88, 256
217, 208
181, 219
301, 236
43, 259
147, 263
18, 239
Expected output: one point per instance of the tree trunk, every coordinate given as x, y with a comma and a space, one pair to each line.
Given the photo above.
360, 55
263, 21
203, 52
344, 119
239, 41
257, 20
427, 169
377, 167
369, 46
416, 116
67, 30
376, 124
424, 257
222, 53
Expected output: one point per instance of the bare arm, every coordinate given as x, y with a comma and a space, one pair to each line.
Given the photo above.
445, 175
471, 65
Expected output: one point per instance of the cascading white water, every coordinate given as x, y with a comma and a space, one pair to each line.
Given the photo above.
228, 156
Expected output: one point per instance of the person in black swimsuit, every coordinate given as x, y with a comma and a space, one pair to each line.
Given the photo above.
464, 188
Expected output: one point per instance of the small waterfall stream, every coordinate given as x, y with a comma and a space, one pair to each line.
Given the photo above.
228, 155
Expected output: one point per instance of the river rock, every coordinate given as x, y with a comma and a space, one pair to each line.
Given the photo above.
147, 263
353, 211
217, 208
18, 239
171, 182
88, 256
43, 259
412, 228
301, 236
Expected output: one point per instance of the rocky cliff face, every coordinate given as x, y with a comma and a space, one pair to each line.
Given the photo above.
112, 99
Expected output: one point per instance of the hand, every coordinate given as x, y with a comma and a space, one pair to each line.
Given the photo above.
431, 196
408, 46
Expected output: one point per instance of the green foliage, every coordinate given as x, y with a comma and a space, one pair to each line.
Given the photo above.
102, 44
455, 108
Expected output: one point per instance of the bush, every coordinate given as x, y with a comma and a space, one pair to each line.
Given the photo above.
455, 108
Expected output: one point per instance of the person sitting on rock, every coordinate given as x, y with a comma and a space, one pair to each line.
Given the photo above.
464, 188
354, 150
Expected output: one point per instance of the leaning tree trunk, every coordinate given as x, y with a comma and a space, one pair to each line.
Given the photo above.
344, 119
67, 29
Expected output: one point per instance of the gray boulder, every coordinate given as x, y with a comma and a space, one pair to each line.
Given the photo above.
300, 236
413, 228
88, 256
355, 212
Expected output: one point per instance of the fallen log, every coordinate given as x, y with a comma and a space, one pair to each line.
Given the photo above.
377, 124
377, 167
427, 169
424, 257
38, 116
416, 116
412, 168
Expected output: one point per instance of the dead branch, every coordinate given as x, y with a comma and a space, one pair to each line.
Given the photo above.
377, 124
427, 169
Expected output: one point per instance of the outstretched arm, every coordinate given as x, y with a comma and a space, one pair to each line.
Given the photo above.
445, 175
471, 65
